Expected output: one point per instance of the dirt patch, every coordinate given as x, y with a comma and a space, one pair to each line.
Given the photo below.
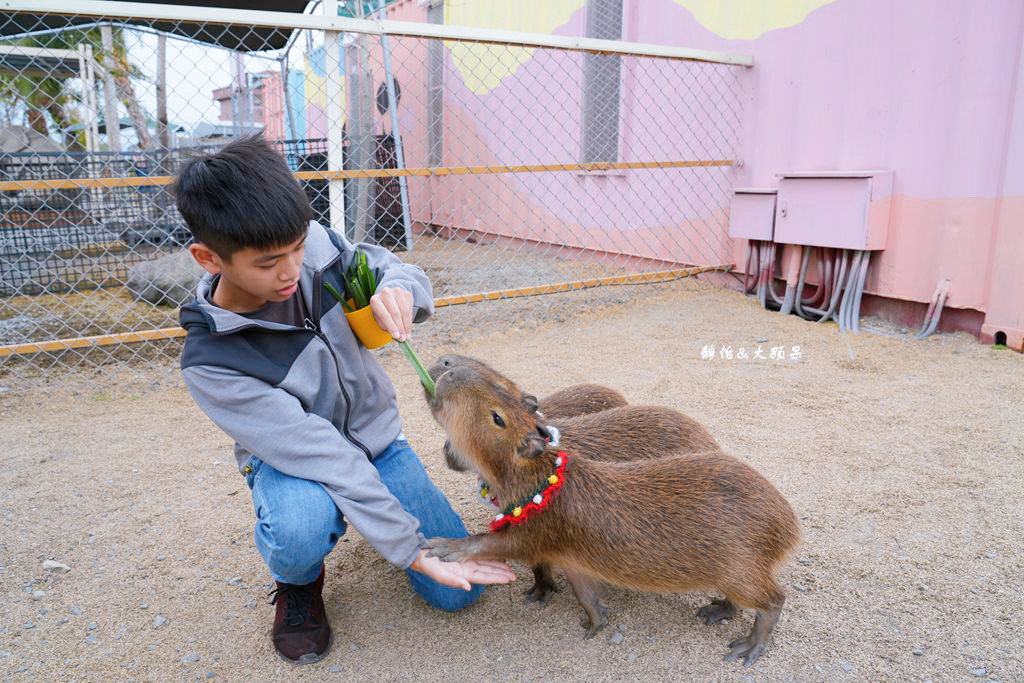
903, 460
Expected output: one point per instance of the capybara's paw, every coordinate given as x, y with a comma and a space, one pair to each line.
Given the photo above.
716, 612
447, 549
540, 592
750, 648
592, 625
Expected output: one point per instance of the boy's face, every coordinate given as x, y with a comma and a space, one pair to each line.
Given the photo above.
252, 277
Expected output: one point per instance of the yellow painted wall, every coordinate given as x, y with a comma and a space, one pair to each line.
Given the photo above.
749, 19
484, 66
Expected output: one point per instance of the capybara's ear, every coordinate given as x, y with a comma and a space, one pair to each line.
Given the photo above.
533, 446
530, 403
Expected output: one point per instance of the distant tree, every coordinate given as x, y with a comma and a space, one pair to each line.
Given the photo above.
42, 96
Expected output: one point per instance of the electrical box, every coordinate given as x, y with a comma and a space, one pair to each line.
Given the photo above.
839, 209
752, 213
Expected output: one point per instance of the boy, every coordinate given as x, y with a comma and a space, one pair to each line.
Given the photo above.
271, 360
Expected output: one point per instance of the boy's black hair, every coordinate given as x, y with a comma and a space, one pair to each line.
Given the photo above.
242, 196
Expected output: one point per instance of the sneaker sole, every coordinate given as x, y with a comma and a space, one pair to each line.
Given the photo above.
311, 657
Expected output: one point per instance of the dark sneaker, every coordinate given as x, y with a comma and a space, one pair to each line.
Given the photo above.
301, 632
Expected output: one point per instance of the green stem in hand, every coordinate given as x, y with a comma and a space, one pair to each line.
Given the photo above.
425, 378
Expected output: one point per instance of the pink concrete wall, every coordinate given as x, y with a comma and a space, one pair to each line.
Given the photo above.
930, 89
533, 116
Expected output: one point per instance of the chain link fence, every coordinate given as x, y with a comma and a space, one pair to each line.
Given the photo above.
511, 167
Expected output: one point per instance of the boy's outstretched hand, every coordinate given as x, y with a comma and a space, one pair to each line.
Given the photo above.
462, 574
392, 308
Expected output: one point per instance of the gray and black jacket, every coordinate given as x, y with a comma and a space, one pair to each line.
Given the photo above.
310, 402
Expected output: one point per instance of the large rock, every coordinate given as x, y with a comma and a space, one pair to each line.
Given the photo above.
166, 281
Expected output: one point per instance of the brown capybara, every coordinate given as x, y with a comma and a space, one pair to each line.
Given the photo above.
680, 522
655, 431
578, 399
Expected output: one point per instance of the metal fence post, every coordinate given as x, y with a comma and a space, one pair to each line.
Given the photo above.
335, 84
396, 133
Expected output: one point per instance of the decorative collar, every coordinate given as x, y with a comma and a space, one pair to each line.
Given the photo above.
518, 513
553, 438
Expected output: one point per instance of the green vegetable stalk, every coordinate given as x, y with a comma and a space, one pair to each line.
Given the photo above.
361, 284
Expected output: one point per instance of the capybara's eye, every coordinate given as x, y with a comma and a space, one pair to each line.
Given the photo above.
497, 419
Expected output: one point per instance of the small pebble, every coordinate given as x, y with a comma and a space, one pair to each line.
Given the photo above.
53, 566
980, 672
622, 628
62, 621
29, 625
616, 638
77, 611
143, 606
335, 669
161, 558
804, 561
991, 554
631, 658
91, 626
923, 587
211, 674
159, 621
353, 647
845, 666
234, 581
38, 595
91, 640
43, 611
762, 340
151, 648
917, 652
191, 658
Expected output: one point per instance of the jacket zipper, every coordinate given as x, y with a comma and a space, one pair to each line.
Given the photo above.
314, 327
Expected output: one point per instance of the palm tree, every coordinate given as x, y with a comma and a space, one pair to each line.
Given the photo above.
114, 57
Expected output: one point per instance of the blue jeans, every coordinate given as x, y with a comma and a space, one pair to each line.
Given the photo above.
299, 522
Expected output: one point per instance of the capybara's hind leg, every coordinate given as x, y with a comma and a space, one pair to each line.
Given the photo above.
717, 611
543, 585
586, 591
756, 642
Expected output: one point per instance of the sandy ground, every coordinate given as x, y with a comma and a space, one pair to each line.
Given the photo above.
903, 460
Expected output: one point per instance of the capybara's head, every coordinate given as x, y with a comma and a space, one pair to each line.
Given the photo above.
488, 419
454, 360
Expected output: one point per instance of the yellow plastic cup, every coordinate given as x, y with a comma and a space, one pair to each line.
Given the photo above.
365, 326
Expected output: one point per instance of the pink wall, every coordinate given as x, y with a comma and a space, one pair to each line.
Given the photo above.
930, 89
927, 89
